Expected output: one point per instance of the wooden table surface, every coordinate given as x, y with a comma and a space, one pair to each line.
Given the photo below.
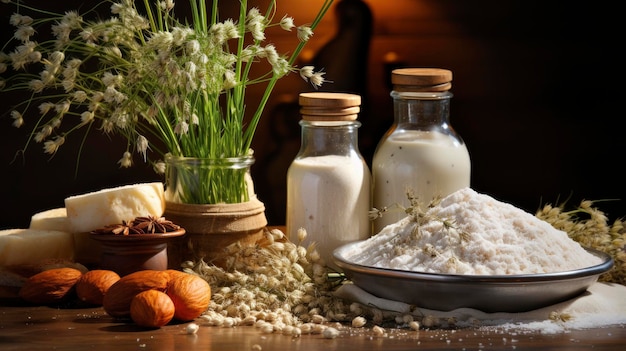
79, 328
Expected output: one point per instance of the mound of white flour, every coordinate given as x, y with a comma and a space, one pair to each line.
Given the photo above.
472, 233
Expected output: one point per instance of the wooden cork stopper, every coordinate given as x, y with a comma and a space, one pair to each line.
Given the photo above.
421, 79
321, 106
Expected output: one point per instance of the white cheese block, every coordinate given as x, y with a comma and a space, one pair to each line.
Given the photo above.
98, 209
54, 219
86, 249
26, 246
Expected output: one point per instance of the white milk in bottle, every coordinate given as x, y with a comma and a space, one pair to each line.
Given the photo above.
420, 154
329, 183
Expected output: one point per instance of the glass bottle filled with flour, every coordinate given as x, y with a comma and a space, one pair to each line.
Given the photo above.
329, 182
420, 154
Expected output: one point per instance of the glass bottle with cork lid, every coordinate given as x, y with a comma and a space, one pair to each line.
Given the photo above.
328, 182
420, 155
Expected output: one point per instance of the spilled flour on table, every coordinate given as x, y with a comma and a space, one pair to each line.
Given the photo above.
603, 304
472, 233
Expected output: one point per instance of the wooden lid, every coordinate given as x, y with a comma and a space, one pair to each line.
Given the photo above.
421, 79
328, 106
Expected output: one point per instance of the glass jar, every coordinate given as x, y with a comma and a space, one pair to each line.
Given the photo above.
214, 201
420, 154
329, 182
195, 180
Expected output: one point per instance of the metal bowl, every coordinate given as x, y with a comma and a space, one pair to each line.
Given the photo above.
488, 293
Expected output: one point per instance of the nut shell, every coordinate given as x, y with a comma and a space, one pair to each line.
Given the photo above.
191, 295
117, 299
151, 308
50, 286
92, 285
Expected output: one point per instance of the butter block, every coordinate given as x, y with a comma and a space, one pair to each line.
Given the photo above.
86, 249
95, 210
26, 246
53, 219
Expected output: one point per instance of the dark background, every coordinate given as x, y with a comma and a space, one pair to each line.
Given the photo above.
538, 98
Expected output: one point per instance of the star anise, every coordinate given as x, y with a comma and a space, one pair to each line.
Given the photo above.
140, 225
118, 229
153, 225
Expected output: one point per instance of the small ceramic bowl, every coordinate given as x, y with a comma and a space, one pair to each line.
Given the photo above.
126, 254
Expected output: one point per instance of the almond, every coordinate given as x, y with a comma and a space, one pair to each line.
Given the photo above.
191, 295
151, 308
92, 285
50, 286
173, 273
117, 299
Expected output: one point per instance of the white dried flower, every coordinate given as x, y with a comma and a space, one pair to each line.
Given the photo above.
51, 146
43, 133
126, 160
255, 23
287, 329
279, 327
317, 79
248, 320
304, 33
318, 328
330, 333
358, 322
286, 23
46, 107
159, 167
167, 5
17, 19
277, 247
79, 96
57, 57
182, 128
302, 234
414, 325
267, 328
306, 328
62, 33
142, 146
378, 331
315, 257
277, 234
317, 319
229, 322
23, 33
62, 107
18, 119
192, 328
21, 56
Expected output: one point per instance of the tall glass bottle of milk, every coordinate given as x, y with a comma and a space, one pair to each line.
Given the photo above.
329, 182
420, 154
